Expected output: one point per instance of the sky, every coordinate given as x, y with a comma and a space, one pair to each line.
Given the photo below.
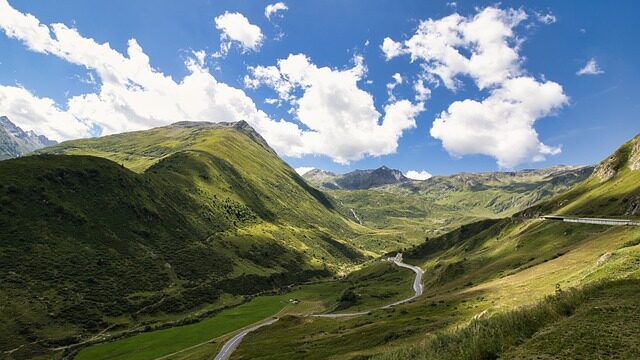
424, 87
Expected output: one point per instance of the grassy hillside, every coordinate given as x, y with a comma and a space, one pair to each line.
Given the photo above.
600, 321
487, 269
164, 222
611, 191
411, 211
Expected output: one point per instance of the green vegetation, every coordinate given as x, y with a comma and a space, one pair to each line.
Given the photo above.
598, 321
210, 213
171, 231
375, 285
154, 344
410, 211
492, 267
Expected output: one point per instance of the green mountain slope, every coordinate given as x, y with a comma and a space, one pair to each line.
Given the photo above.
489, 268
163, 222
612, 190
413, 210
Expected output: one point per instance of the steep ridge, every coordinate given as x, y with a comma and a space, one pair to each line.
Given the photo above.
164, 221
15, 142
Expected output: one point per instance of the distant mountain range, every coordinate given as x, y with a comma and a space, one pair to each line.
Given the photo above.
15, 142
384, 198
359, 179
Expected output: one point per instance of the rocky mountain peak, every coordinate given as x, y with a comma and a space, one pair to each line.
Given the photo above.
627, 155
15, 142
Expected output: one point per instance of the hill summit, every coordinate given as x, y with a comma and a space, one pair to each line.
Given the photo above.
356, 180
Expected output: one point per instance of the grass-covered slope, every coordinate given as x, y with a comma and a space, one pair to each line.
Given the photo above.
163, 222
413, 210
488, 268
600, 321
612, 191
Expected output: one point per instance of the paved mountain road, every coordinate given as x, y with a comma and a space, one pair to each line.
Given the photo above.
233, 343
596, 221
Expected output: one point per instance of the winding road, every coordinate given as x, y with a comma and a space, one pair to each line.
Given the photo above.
233, 343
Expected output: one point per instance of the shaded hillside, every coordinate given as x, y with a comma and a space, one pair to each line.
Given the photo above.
15, 142
210, 211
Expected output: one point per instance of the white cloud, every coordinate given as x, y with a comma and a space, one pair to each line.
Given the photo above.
39, 114
342, 120
485, 48
547, 19
486, 36
418, 175
272, 9
422, 92
590, 68
236, 28
303, 170
132, 95
501, 125
391, 48
397, 80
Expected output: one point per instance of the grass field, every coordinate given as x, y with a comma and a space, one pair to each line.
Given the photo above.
376, 285
158, 343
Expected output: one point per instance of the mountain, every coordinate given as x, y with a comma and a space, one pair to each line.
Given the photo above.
133, 228
612, 190
359, 179
413, 209
517, 287
15, 142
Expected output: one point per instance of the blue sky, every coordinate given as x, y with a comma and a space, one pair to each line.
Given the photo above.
67, 88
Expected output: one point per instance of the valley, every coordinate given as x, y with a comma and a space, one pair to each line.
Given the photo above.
319, 180
413, 210
224, 244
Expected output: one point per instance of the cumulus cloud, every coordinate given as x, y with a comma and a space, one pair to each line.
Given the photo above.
303, 170
590, 68
342, 119
422, 92
418, 175
39, 114
397, 80
273, 9
501, 125
391, 48
236, 28
132, 95
485, 48
486, 38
